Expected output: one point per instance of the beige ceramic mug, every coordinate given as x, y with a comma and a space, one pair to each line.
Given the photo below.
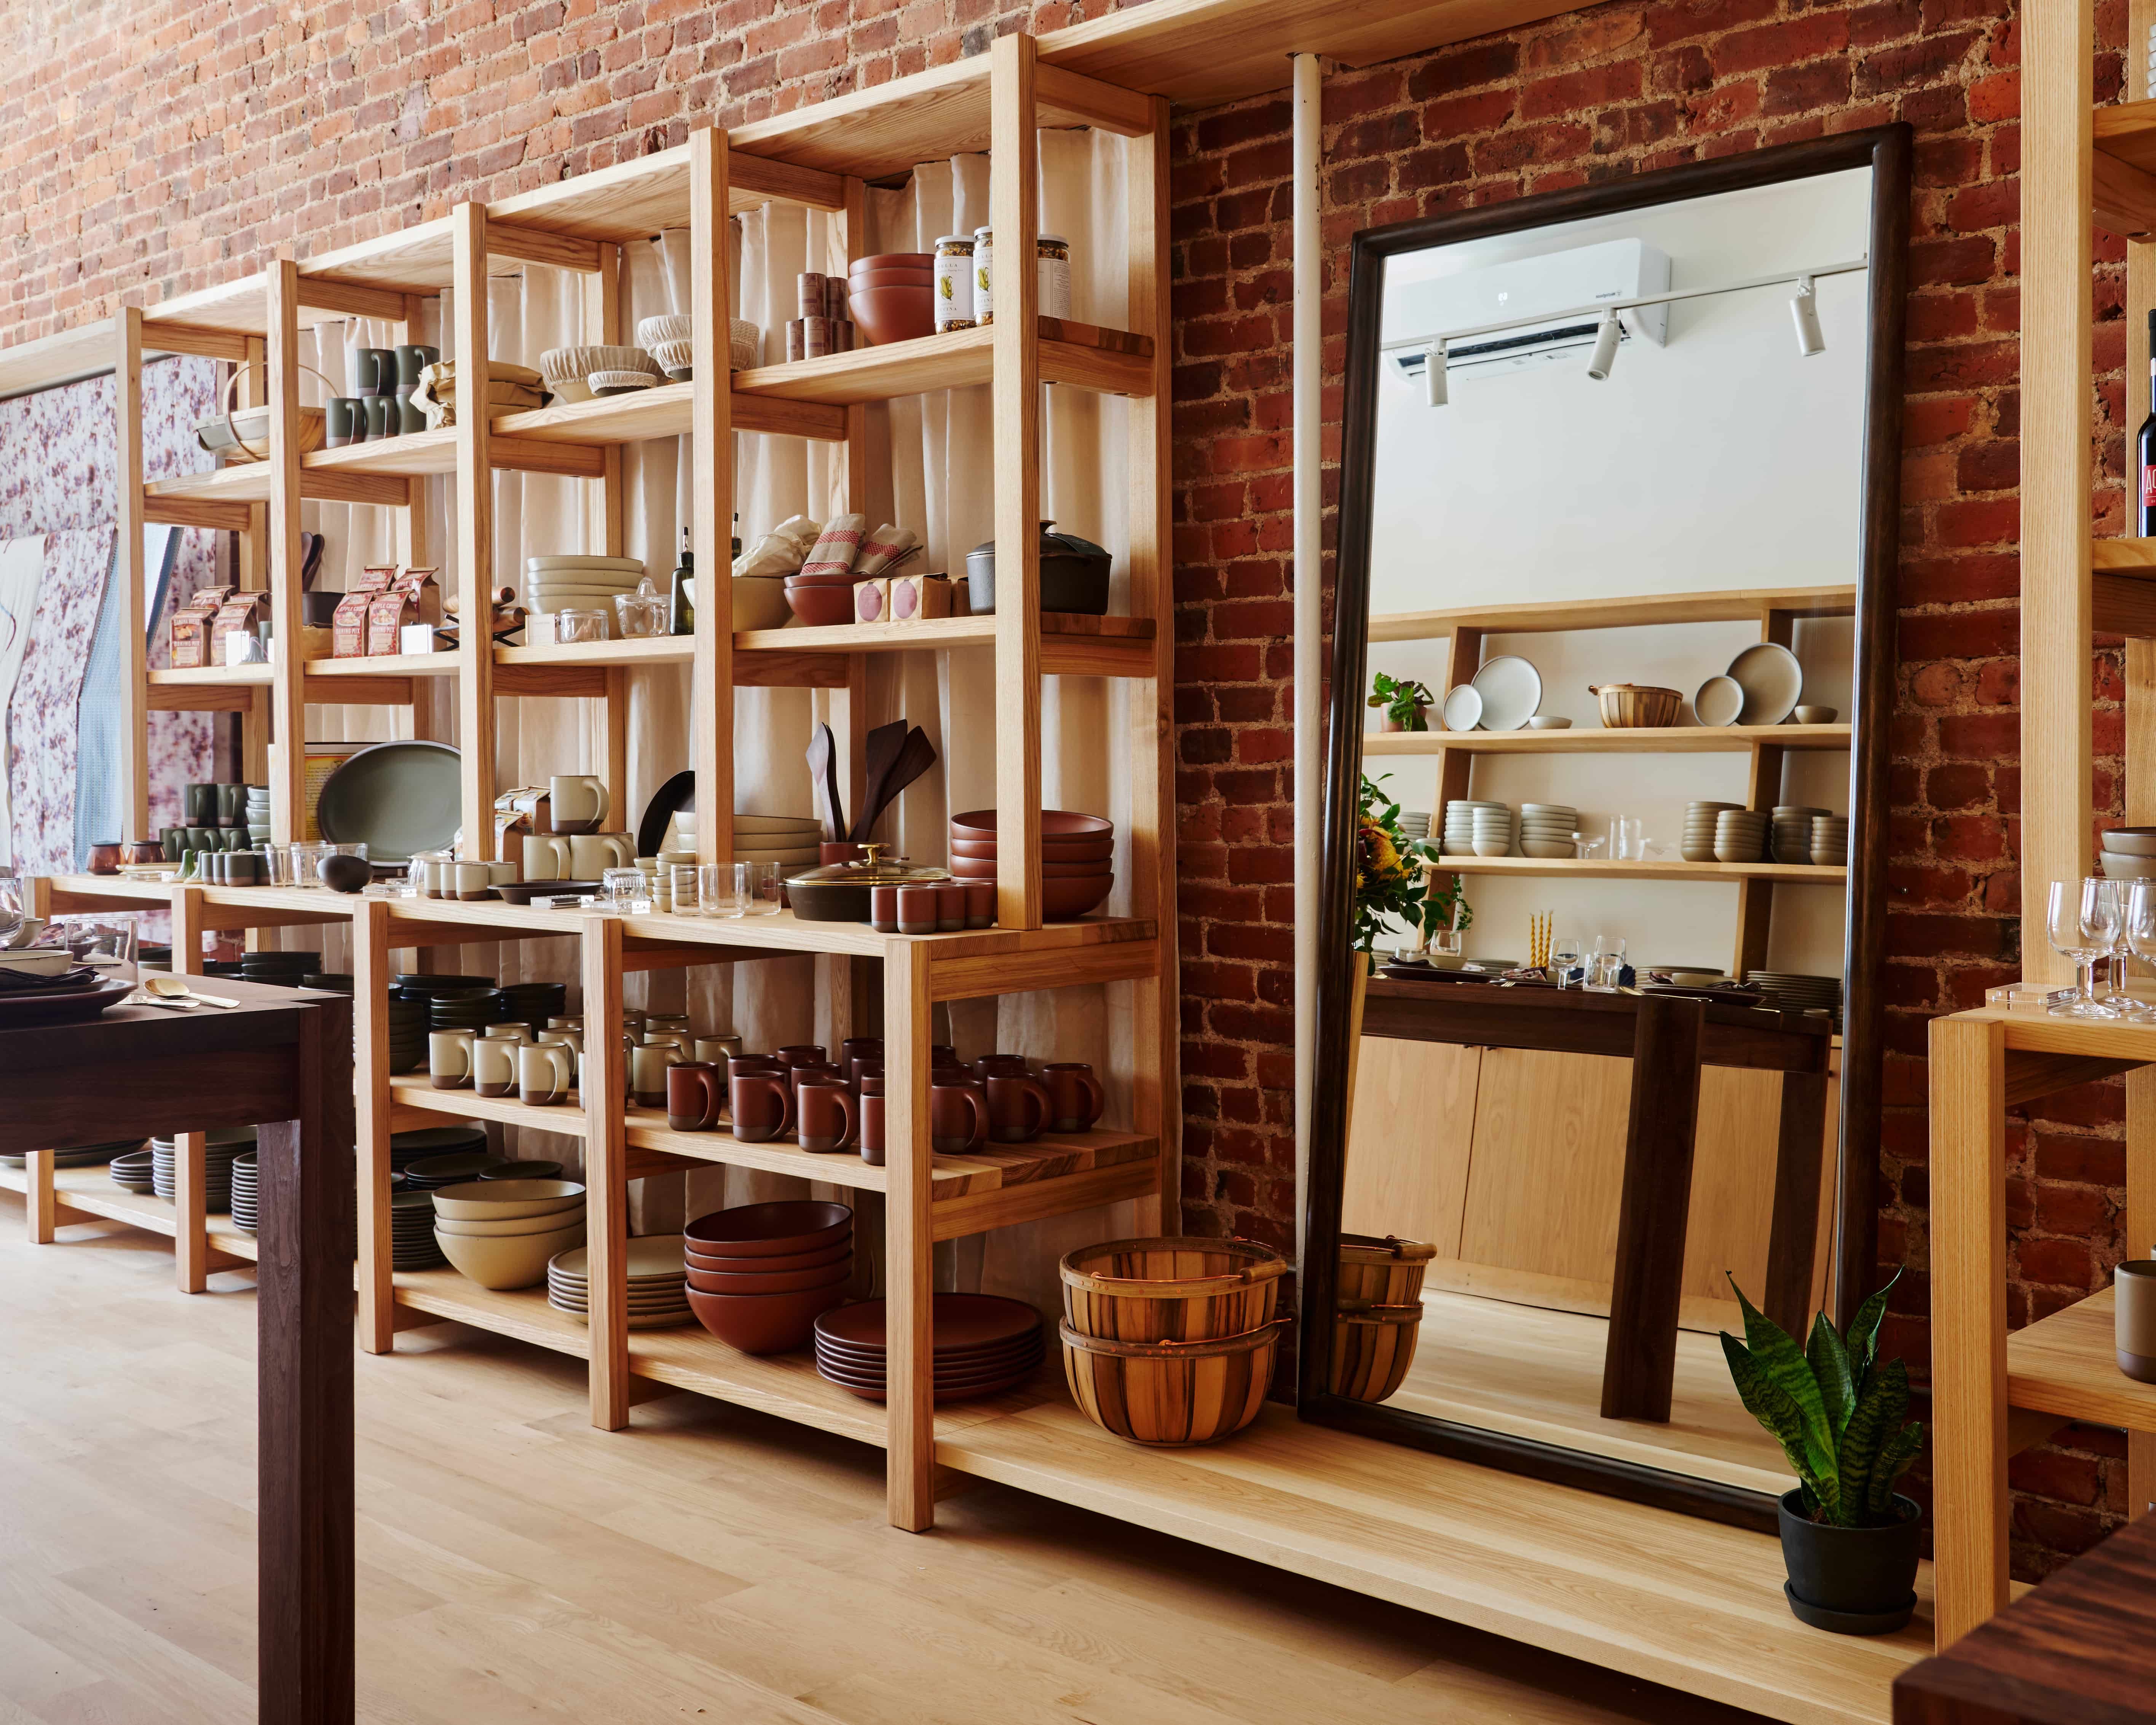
547, 857
545, 1072
647, 1072
449, 1059
494, 1066
508, 1033
591, 855
471, 879
578, 801
717, 1050
2134, 1319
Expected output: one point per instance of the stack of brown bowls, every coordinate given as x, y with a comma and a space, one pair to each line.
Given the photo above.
982, 1346
821, 600
760, 1275
1171, 1340
1077, 853
892, 295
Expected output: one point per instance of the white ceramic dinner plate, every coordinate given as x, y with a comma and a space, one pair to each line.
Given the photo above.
1463, 708
1511, 689
1772, 682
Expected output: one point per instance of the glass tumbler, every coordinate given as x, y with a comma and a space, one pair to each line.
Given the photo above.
716, 895
685, 880
757, 886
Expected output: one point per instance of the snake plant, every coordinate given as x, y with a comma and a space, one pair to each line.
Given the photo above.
1834, 1406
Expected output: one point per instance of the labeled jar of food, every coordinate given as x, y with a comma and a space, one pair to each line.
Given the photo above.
984, 300
1054, 276
954, 282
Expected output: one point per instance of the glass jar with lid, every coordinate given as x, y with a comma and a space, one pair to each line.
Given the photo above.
839, 892
954, 283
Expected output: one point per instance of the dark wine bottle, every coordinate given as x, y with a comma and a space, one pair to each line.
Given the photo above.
684, 615
2145, 447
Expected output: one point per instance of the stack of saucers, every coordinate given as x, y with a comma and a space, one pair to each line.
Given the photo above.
412, 1232
1546, 829
1494, 827
1795, 993
283, 970
258, 814
406, 1148
1459, 824
83, 1155
1793, 832
244, 1194
132, 1172
217, 1154
1414, 824
407, 1034
1699, 821
2129, 853
1740, 836
983, 1345
658, 1286
1829, 840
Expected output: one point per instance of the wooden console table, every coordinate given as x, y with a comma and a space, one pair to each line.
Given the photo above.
1667, 1038
281, 1061
1993, 1393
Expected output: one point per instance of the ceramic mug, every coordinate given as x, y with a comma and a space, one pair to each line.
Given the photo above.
814, 1071
762, 1105
510, 1032
950, 908
864, 1066
470, 880
578, 801
825, 1115
918, 908
1076, 1094
591, 855
232, 805
1018, 1108
547, 857
800, 1054
2134, 1319
980, 903
870, 1088
344, 421
569, 1037
546, 1071
694, 1090
860, 1048
494, 1066
647, 1072
717, 1050
382, 418
668, 1039
200, 803
502, 873
958, 1116
449, 1059
990, 1064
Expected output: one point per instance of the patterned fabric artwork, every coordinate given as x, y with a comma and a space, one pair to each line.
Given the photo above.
41, 714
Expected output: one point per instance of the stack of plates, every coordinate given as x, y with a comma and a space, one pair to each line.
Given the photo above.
579, 583
1414, 824
84, 1155
132, 1172
1740, 836
983, 1345
1794, 992
459, 1008
2129, 853
406, 1148
1793, 832
244, 1192
1494, 828
329, 982
531, 1003
412, 1232
658, 1296
1546, 829
283, 970
1829, 841
407, 1034
1698, 845
430, 1173
258, 814
787, 840
217, 1154
1459, 827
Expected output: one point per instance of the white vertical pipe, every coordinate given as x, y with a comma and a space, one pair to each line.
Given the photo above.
1309, 672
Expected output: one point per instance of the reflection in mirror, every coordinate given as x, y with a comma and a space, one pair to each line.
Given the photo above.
1612, 563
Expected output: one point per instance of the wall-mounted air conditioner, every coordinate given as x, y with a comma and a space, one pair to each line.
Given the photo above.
1550, 292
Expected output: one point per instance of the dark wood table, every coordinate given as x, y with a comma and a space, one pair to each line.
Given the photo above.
1667, 1038
281, 1061
2080, 1650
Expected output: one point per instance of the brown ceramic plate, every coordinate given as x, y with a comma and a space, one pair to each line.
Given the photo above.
855, 1377
72, 1006
966, 1360
995, 1386
961, 1322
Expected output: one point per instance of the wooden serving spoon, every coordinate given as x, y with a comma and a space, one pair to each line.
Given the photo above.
879, 754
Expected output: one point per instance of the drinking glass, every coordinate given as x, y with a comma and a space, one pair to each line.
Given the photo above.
755, 886
1564, 961
715, 890
277, 866
106, 941
685, 881
574, 627
625, 890
2082, 922
1445, 943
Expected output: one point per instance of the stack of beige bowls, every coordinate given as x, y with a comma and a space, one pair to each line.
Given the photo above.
1548, 830
1740, 835
1829, 840
1793, 832
501, 1233
658, 1296
2129, 853
1699, 826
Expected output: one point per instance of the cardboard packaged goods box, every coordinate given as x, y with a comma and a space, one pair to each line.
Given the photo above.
348, 624
241, 613
191, 625
412, 597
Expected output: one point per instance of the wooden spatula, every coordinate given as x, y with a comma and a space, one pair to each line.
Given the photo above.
879, 754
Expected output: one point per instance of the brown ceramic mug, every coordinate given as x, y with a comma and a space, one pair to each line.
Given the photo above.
1075, 1093
800, 1054
868, 1067
811, 1069
871, 1093
958, 1118
989, 1064
1018, 1108
941, 1053
860, 1048
827, 1117
754, 1063
762, 1106
692, 1096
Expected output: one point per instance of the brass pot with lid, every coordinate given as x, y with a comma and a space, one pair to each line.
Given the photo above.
839, 892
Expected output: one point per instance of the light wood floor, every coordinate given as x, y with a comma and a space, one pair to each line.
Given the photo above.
516, 1564
1538, 1374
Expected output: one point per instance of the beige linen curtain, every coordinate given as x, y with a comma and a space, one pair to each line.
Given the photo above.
932, 470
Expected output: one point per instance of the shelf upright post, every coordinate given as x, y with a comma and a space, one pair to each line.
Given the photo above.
1157, 1028
1013, 203
711, 452
370, 1060
909, 1239
127, 570
604, 521
190, 1218
287, 683
1755, 899
606, 1176
475, 530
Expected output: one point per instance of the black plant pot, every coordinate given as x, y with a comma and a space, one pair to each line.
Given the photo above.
1854, 1581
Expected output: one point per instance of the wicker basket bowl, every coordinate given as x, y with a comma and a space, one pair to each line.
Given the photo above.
1172, 1394
1387, 1272
1629, 706
1373, 1346
1172, 1288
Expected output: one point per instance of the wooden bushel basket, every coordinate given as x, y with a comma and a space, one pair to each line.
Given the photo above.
1170, 1288
1172, 1393
1385, 1272
1373, 1346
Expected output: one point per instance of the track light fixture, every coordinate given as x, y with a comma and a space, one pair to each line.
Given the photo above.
1433, 391
1811, 340
1605, 348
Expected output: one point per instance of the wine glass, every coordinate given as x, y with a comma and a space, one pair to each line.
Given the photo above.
2138, 930
2082, 922
1564, 961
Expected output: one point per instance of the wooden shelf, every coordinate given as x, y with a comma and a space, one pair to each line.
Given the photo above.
1594, 869
1108, 360
652, 649
565, 1117
1670, 740
2123, 177
1070, 644
521, 1312
91, 1190
1632, 611
2066, 1364
213, 676
386, 664
665, 411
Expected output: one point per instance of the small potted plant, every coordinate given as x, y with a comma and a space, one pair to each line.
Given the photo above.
1849, 1540
1404, 702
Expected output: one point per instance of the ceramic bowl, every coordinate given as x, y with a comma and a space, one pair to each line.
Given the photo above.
517, 1261
1549, 848
891, 278
1548, 721
1054, 823
514, 1227
891, 314
2117, 867
632, 567
760, 603
983, 868
762, 1323
1051, 850
1062, 900
821, 607
780, 824
498, 1200
777, 1281
891, 260
845, 579
2130, 841
767, 1230
1815, 715
840, 1251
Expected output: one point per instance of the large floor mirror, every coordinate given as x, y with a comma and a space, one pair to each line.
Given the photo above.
1605, 811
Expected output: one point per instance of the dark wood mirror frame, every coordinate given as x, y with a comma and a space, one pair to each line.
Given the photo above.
1884, 150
